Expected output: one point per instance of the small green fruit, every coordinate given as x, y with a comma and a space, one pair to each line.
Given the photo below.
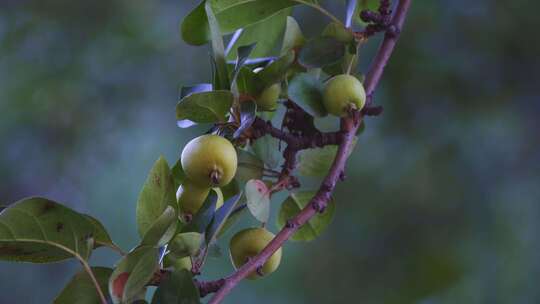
342, 93
247, 244
191, 197
209, 161
267, 100
177, 263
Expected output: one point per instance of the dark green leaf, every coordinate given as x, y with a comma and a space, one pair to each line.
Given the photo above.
313, 228
218, 50
157, 193
293, 37
177, 288
249, 167
204, 216
243, 54
178, 174
162, 230
220, 217
132, 273
248, 112
337, 31
185, 244
205, 107
306, 91
276, 71
258, 199
266, 34
81, 289
321, 52
267, 149
317, 162
247, 82
38, 230
231, 15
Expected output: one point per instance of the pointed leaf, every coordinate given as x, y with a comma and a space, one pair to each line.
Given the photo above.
314, 227
293, 37
157, 193
248, 112
218, 49
258, 199
132, 274
178, 174
38, 230
100, 235
205, 107
162, 230
81, 289
276, 71
177, 288
220, 217
198, 88
306, 91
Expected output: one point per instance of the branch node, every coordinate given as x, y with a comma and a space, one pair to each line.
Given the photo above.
372, 110
291, 224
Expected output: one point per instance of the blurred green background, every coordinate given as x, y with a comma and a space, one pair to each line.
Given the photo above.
442, 199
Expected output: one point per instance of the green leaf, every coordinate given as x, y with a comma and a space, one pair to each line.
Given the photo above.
157, 193
249, 167
220, 217
276, 71
313, 228
204, 216
247, 82
266, 34
218, 50
162, 230
177, 288
178, 174
248, 112
205, 107
306, 91
320, 52
132, 274
100, 234
81, 289
337, 31
243, 54
38, 230
267, 149
293, 37
231, 15
258, 199
185, 244
235, 215
317, 162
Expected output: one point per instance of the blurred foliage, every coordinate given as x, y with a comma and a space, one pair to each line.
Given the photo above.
441, 200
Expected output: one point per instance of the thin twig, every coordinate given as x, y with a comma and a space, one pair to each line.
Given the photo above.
318, 202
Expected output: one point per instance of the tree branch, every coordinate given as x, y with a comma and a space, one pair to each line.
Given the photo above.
318, 203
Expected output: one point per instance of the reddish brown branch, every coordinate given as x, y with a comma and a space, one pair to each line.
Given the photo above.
348, 131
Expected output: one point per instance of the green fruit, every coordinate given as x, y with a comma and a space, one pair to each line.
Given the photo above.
209, 161
177, 263
343, 92
191, 197
338, 32
247, 244
267, 100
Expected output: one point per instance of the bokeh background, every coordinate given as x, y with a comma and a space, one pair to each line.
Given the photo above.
442, 200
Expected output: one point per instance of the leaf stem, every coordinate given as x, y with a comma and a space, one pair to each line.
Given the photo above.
94, 280
320, 9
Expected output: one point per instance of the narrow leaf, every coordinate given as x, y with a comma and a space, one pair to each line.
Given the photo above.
162, 230
204, 216
218, 49
220, 217
248, 112
157, 193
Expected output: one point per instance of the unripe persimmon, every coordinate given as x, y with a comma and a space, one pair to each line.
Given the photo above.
191, 197
267, 100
